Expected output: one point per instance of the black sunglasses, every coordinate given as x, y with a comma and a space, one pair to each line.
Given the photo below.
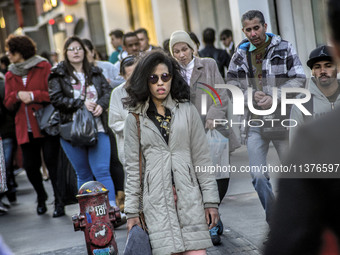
165, 77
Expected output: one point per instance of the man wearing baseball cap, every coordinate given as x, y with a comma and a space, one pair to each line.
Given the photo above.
324, 88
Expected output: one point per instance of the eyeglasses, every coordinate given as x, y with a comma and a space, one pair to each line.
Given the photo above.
223, 38
165, 77
75, 49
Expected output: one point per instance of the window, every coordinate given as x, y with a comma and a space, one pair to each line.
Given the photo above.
320, 21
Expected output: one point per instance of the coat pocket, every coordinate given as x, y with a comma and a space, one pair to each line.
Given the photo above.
278, 63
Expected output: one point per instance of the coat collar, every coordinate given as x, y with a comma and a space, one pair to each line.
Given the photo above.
196, 73
142, 108
60, 69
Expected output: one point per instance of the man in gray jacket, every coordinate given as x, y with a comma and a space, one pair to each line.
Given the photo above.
323, 86
273, 63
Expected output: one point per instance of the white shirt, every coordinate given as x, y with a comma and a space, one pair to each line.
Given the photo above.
188, 70
228, 49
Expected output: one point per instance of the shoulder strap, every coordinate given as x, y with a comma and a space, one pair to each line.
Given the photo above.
140, 149
141, 214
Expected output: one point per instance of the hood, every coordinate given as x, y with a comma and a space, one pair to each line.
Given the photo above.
245, 44
313, 88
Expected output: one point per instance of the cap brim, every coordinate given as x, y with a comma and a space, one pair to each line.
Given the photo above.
312, 61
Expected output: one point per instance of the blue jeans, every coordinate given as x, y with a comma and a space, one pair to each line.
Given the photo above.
92, 161
257, 152
8, 144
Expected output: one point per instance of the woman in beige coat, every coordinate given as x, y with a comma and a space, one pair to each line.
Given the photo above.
202, 75
179, 203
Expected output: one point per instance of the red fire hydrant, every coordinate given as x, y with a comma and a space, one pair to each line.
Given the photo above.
96, 219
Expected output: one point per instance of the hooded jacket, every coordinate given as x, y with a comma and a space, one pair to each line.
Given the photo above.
321, 106
281, 68
61, 93
171, 229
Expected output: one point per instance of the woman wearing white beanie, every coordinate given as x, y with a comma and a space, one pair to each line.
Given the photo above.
200, 73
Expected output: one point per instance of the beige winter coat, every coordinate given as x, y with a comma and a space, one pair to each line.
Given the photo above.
206, 72
171, 229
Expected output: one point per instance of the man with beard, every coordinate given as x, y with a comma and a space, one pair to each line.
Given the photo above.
324, 88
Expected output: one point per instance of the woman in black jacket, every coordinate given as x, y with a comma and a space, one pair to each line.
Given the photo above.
73, 83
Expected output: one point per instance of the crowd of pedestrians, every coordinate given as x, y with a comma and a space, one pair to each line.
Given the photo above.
149, 100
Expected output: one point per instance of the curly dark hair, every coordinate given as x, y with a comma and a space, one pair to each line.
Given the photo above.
138, 83
86, 64
21, 44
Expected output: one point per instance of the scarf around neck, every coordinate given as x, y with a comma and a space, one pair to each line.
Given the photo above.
21, 69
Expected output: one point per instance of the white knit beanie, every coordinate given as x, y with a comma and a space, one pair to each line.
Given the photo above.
180, 36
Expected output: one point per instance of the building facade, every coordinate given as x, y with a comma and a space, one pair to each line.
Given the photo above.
302, 22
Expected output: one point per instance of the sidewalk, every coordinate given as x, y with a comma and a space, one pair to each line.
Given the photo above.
27, 233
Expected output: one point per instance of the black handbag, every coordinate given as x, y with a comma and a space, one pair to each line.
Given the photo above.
84, 128
48, 120
82, 131
65, 130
